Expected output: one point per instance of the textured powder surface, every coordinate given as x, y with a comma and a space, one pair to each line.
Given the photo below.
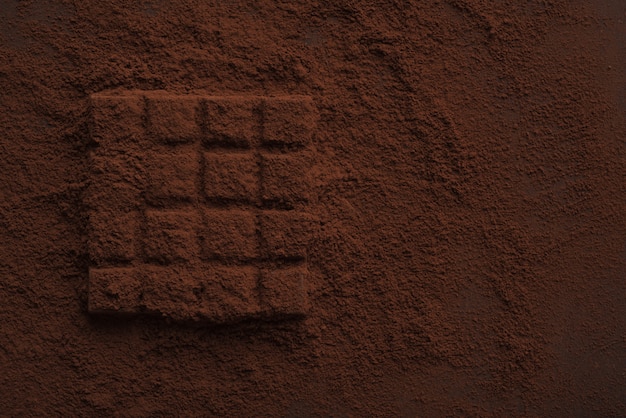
468, 184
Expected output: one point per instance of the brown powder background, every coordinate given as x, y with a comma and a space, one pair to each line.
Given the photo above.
472, 255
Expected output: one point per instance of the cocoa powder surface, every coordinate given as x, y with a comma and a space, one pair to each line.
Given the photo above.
471, 254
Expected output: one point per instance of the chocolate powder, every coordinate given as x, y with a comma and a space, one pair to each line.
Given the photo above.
469, 188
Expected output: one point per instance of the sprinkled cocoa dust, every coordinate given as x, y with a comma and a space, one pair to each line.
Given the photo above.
467, 187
